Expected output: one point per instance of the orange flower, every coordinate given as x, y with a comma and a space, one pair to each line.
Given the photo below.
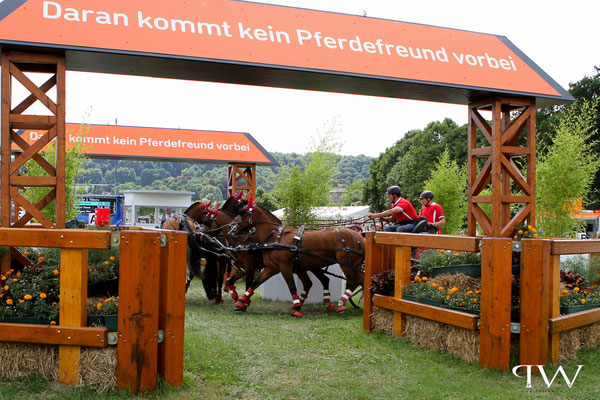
15, 280
529, 227
9, 301
440, 288
99, 306
576, 289
55, 272
27, 297
453, 290
111, 258
41, 259
18, 274
532, 229
107, 300
106, 262
417, 279
21, 301
470, 292
6, 287
43, 295
52, 322
583, 301
535, 235
424, 279
26, 254
565, 291
448, 296
462, 303
520, 231
475, 300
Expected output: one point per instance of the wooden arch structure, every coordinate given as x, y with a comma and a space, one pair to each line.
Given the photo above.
494, 76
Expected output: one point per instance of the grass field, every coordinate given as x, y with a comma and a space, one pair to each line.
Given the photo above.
266, 354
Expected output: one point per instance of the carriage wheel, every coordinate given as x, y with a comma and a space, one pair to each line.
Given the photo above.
357, 298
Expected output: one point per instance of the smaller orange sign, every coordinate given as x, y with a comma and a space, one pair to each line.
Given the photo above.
126, 142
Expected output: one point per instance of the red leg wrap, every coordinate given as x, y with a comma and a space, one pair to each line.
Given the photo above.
330, 307
341, 309
296, 302
297, 314
234, 294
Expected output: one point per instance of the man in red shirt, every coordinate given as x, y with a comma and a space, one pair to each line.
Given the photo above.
432, 211
401, 212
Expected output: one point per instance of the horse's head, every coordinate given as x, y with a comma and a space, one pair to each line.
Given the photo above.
243, 220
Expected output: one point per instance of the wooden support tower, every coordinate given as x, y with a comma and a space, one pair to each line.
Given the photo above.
242, 177
16, 66
504, 161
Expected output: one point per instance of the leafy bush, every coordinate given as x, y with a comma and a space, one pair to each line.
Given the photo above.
437, 258
108, 306
452, 297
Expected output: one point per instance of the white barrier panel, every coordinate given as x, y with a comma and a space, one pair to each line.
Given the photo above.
276, 288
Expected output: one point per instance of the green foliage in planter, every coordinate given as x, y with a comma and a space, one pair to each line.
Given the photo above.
34, 292
104, 265
438, 258
451, 297
579, 296
108, 306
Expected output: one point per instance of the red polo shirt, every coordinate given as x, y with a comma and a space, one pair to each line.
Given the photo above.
408, 212
433, 212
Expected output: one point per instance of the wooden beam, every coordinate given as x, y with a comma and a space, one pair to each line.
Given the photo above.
373, 265
56, 238
21, 222
483, 179
5, 145
433, 313
575, 246
32, 121
33, 88
54, 334
171, 318
576, 320
482, 219
535, 285
494, 342
37, 157
30, 208
33, 181
482, 124
73, 308
429, 241
402, 278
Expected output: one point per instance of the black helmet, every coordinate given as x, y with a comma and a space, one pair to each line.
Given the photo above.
394, 190
426, 195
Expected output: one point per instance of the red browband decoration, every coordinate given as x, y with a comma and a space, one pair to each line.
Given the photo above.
251, 205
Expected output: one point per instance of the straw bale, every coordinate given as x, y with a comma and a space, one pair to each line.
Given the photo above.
98, 367
461, 281
590, 336
569, 344
463, 343
382, 319
429, 334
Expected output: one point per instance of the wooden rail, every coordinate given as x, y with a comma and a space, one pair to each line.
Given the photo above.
151, 301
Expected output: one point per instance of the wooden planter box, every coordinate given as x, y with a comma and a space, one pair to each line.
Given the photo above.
438, 304
109, 321
473, 270
26, 320
577, 308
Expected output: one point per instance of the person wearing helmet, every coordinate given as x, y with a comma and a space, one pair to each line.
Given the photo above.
432, 211
401, 212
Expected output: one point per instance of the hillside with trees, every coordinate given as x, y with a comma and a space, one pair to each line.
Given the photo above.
207, 181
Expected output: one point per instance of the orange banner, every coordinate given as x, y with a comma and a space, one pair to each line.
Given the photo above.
281, 37
125, 142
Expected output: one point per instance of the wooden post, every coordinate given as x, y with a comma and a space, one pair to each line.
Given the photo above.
173, 261
535, 290
139, 274
73, 308
402, 278
496, 264
373, 265
554, 305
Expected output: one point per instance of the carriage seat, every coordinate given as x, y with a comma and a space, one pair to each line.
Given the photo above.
421, 226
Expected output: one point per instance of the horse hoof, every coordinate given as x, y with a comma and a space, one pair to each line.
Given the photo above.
239, 309
219, 301
239, 306
341, 309
330, 307
297, 314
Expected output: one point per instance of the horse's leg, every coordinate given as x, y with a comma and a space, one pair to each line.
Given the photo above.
324, 279
243, 302
306, 284
230, 284
288, 275
188, 281
222, 267
353, 281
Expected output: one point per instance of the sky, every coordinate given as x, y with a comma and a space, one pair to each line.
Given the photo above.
556, 35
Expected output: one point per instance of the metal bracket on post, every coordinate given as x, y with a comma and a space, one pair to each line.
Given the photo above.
161, 336
517, 246
515, 327
113, 338
163, 240
115, 239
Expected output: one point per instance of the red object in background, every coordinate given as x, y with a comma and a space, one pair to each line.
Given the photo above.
102, 216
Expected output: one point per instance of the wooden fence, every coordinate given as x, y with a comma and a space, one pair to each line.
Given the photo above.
151, 303
540, 322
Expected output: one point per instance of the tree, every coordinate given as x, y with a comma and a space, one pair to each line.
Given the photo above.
74, 163
354, 194
307, 185
567, 170
448, 182
266, 200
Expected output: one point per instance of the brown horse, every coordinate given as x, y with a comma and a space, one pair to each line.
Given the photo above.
288, 250
249, 257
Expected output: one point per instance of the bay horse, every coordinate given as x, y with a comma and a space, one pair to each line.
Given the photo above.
249, 257
196, 261
289, 250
